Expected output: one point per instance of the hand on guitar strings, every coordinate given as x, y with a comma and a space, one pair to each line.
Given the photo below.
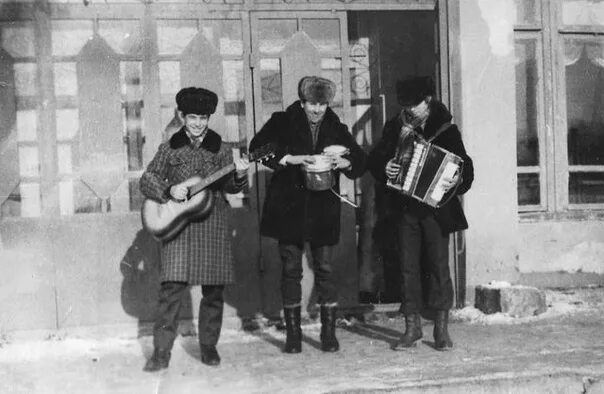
242, 164
179, 192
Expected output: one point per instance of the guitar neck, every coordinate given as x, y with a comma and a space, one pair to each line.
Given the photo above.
205, 182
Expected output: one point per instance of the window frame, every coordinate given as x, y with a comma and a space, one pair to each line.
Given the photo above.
553, 134
580, 32
541, 169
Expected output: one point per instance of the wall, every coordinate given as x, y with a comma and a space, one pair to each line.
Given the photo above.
488, 128
103, 269
562, 253
500, 244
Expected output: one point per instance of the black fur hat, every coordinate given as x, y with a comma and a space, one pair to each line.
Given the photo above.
316, 89
198, 101
412, 90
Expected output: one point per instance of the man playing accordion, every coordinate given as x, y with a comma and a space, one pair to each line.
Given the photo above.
423, 230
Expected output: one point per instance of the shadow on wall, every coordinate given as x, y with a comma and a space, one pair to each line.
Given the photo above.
140, 283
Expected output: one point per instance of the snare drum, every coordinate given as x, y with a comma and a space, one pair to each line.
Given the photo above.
319, 176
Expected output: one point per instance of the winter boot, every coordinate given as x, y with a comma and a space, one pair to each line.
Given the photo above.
413, 332
442, 340
209, 355
159, 360
329, 342
293, 341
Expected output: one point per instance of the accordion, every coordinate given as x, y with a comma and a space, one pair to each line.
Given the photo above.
422, 176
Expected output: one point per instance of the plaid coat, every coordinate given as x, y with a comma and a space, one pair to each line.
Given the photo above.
201, 253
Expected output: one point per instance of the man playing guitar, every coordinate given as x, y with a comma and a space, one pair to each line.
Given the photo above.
200, 253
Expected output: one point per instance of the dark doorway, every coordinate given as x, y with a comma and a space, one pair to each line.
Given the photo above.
385, 47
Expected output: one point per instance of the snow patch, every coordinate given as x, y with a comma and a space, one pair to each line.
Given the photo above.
62, 346
559, 304
35, 350
494, 284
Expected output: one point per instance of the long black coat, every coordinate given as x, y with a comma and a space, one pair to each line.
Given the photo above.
450, 216
291, 213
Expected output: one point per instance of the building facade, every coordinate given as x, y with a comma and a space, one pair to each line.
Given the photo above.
87, 94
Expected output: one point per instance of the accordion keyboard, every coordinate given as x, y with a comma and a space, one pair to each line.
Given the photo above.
418, 152
428, 170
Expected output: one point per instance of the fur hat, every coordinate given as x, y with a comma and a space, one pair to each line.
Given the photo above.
316, 89
412, 90
198, 101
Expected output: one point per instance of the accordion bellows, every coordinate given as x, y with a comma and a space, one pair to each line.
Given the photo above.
424, 169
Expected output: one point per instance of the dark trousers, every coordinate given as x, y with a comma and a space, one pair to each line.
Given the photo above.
424, 250
291, 287
210, 314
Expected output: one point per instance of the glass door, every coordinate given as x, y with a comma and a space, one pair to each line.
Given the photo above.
287, 46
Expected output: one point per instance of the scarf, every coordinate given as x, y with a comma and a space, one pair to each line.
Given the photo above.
406, 138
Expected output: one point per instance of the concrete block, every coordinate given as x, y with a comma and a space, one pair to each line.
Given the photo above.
516, 301
593, 385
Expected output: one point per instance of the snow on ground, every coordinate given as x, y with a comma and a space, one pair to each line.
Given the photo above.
17, 349
34, 348
559, 303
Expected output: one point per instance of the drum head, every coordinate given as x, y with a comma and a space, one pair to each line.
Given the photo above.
336, 150
322, 163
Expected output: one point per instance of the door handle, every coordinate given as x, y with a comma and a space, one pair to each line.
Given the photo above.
383, 105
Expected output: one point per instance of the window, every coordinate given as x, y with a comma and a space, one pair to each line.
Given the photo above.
584, 84
20, 159
559, 48
75, 130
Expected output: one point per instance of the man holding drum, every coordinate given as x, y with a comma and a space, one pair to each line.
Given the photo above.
423, 231
302, 203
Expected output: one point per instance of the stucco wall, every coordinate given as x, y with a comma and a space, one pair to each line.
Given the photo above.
103, 269
488, 114
562, 246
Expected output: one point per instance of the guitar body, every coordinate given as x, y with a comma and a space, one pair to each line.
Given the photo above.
165, 221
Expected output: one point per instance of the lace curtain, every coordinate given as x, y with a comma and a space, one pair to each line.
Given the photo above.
573, 50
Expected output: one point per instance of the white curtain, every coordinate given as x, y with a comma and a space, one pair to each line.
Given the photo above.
572, 52
595, 53
573, 49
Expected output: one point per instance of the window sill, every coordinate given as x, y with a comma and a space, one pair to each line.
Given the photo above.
567, 216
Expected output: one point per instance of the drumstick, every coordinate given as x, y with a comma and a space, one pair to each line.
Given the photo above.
347, 201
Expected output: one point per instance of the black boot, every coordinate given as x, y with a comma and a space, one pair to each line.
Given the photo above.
442, 340
159, 360
209, 355
413, 332
293, 341
329, 342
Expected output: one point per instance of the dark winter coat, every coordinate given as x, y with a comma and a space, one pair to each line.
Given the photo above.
292, 213
201, 253
449, 216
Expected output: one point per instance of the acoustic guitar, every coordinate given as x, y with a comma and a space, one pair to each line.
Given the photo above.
164, 221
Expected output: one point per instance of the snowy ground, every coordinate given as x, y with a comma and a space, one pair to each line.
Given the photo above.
567, 339
559, 303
